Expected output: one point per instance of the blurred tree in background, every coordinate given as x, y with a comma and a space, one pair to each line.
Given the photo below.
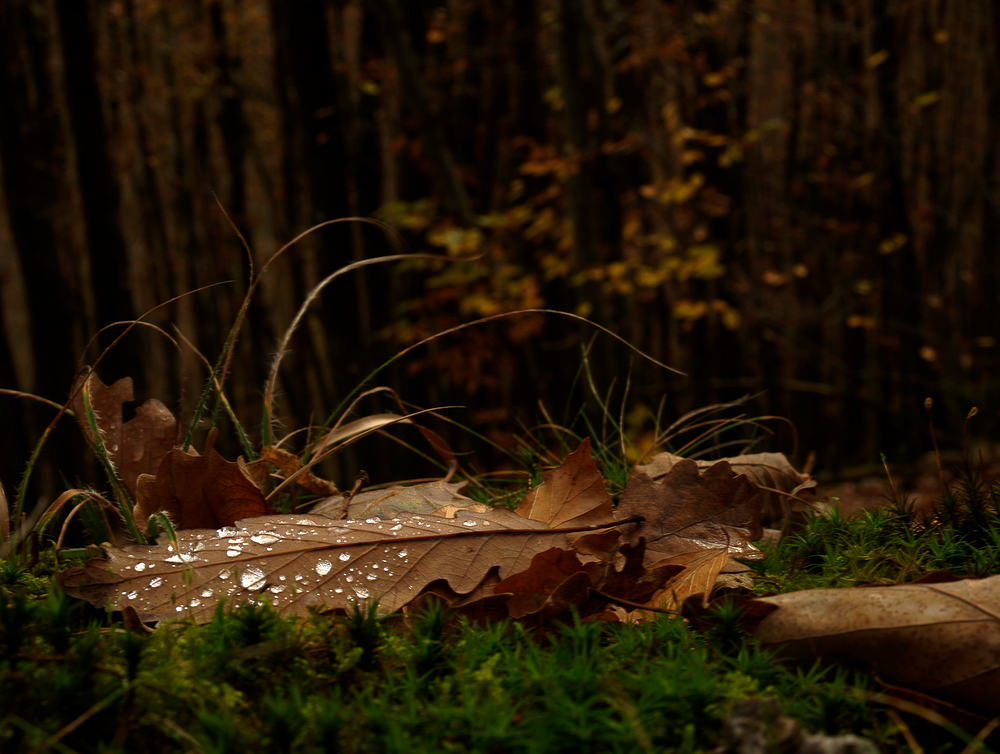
797, 196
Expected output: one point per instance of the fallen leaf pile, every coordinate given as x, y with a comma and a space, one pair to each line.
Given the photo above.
565, 547
679, 531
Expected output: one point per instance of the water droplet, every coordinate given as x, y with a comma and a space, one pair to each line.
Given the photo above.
304, 522
199, 547
236, 541
140, 566
225, 573
264, 539
323, 567
170, 548
278, 588
207, 593
234, 552
402, 553
348, 579
345, 556
371, 520
156, 582
281, 578
252, 578
194, 603
299, 577
132, 595
114, 447
179, 608
397, 527
469, 523
226, 531
338, 590
371, 576
184, 557
361, 592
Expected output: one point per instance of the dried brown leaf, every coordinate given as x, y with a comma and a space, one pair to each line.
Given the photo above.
199, 492
700, 573
782, 486
570, 495
685, 510
136, 446
937, 638
298, 561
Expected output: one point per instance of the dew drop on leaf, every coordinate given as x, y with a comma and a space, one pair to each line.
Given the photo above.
251, 578
225, 573
402, 553
234, 552
194, 603
361, 592
348, 579
132, 595
156, 582
140, 566
207, 593
371, 577
278, 588
264, 539
345, 556
323, 567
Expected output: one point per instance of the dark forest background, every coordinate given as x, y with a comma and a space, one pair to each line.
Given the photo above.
797, 196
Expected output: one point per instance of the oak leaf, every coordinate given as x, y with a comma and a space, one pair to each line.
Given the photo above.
784, 489
199, 491
136, 446
688, 509
297, 561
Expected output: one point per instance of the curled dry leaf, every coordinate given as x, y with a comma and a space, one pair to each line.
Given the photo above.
685, 510
199, 491
297, 561
136, 446
942, 639
784, 489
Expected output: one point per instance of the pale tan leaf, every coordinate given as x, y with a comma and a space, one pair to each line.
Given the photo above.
389, 503
942, 639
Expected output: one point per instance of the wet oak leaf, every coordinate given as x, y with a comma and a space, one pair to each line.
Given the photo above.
136, 446
690, 509
300, 561
199, 492
941, 639
571, 495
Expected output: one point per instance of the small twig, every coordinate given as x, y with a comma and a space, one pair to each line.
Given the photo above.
360, 480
